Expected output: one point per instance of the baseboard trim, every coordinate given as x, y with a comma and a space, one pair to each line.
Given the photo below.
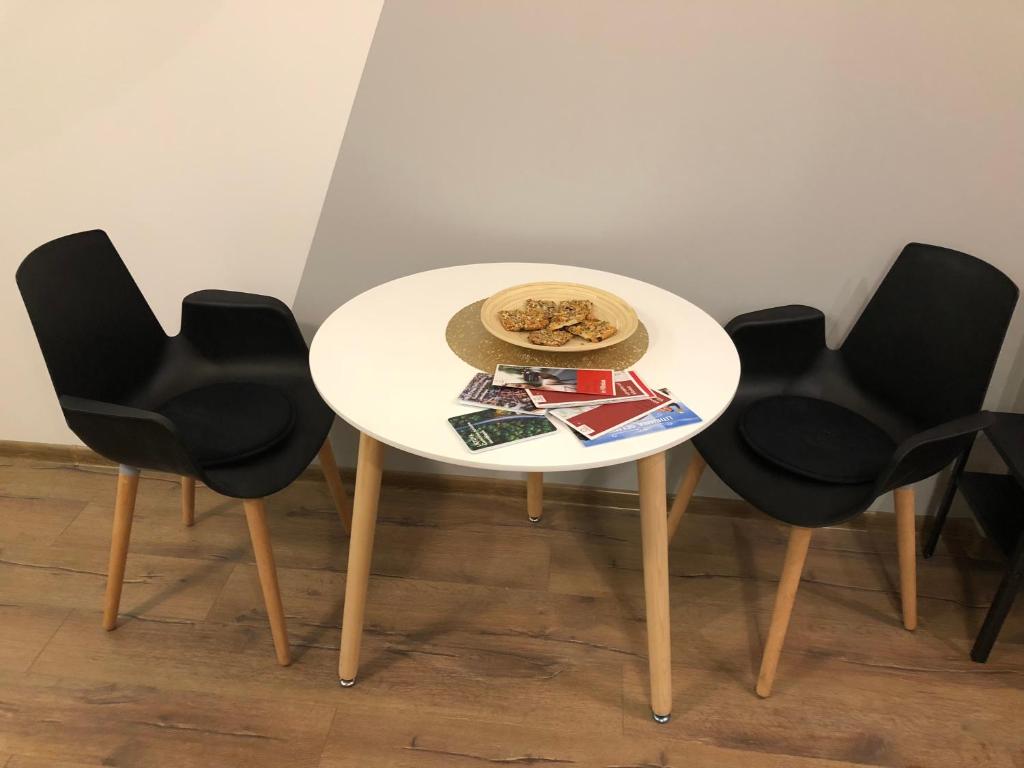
79, 455
61, 454
565, 493
508, 486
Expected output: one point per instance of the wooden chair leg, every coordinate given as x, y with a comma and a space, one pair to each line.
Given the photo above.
124, 510
654, 532
256, 517
188, 500
333, 478
906, 542
796, 554
535, 496
360, 553
685, 492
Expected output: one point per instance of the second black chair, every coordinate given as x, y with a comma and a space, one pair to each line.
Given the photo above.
228, 401
815, 435
997, 502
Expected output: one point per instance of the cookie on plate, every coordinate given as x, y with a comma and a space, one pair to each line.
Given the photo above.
511, 319
534, 319
541, 305
521, 320
577, 305
570, 313
548, 338
593, 330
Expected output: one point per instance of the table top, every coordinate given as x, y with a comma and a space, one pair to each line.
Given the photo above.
399, 383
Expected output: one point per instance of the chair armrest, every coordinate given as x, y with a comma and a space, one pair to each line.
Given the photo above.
227, 324
131, 436
781, 340
925, 453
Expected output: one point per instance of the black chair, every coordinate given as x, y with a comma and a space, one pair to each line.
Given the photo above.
815, 435
228, 401
997, 501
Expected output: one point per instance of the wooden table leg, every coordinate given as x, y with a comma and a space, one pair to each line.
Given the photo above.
654, 531
534, 496
685, 492
360, 552
188, 500
329, 466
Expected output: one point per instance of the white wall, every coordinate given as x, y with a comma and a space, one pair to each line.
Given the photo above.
200, 134
743, 154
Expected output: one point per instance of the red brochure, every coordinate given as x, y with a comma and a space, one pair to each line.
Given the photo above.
628, 386
594, 421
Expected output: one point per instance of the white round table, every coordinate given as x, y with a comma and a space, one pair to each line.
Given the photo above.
389, 343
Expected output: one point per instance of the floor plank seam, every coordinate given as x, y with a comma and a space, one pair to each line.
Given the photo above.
66, 569
327, 735
49, 640
220, 592
980, 670
521, 760
70, 523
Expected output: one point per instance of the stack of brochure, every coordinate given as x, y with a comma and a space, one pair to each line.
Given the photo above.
599, 406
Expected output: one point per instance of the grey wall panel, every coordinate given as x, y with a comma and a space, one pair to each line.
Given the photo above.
741, 154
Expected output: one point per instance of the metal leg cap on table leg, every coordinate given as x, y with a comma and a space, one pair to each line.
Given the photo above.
533, 519
346, 683
661, 718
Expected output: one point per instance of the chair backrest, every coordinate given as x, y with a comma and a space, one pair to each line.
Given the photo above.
928, 340
98, 335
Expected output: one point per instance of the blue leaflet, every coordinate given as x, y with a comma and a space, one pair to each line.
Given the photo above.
671, 416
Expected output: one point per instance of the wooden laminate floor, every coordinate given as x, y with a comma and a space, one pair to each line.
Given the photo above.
489, 641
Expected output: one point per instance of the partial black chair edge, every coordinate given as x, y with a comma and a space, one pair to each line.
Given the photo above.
227, 324
997, 503
927, 452
783, 338
1009, 588
942, 511
130, 436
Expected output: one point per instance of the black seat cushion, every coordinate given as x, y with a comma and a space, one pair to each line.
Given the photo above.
816, 439
228, 422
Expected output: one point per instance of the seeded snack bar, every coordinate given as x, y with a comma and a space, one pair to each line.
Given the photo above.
593, 330
547, 338
511, 319
520, 320
571, 313
541, 305
534, 320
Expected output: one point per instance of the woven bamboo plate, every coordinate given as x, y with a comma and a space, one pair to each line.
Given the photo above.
607, 306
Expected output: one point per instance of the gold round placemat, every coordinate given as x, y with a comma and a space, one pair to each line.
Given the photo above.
468, 339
